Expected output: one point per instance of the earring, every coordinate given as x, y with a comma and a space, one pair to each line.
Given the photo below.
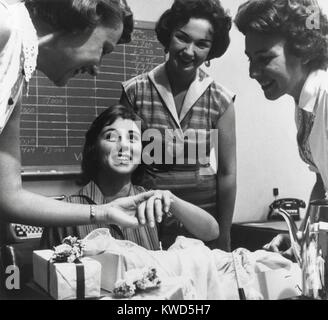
166, 54
208, 63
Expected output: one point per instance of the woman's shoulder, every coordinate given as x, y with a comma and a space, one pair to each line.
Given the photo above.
136, 81
5, 26
222, 93
322, 79
221, 99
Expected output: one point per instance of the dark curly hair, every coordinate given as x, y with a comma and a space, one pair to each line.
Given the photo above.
89, 164
290, 19
72, 15
181, 12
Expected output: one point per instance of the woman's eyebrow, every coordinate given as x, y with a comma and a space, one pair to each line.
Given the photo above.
187, 35
181, 31
106, 129
206, 40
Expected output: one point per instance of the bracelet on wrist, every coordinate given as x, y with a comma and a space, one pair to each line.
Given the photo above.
93, 218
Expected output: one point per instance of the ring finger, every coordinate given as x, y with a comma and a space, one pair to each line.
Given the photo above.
150, 212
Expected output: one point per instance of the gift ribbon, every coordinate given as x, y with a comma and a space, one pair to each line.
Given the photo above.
80, 279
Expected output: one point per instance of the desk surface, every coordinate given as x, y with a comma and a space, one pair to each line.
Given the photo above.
253, 235
275, 225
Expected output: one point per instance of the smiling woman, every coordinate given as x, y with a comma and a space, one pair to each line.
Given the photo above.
66, 49
68, 54
287, 46
178, 96
61, 38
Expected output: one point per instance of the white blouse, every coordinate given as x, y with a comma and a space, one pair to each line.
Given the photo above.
314, 99
17, 58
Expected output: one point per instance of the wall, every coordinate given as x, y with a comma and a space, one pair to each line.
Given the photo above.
266, 144
148, 10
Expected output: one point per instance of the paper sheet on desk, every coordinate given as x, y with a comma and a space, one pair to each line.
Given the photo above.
275, 225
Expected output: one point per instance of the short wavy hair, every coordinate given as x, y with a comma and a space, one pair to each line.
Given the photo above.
181, 12
73, 15
89, 164
289, 19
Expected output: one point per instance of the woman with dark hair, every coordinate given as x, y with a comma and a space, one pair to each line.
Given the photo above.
60, 38
286, 43
188, 108
111, 153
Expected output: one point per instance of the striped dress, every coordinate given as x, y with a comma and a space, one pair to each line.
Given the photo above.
178, 155
90, 194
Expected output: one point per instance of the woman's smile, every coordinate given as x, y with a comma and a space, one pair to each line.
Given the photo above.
119, 147
268, 85
123, 158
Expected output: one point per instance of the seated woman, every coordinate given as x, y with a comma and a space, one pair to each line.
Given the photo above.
111, 154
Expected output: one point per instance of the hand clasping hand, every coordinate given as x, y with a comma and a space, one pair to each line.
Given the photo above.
152, 210
123, 211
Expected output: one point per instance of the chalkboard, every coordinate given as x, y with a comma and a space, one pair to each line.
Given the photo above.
54, 119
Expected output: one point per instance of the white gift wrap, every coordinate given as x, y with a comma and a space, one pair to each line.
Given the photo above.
113, 268
62, 276
280, 283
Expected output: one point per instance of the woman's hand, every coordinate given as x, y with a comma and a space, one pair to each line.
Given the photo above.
152, 210
123, 211
281, 244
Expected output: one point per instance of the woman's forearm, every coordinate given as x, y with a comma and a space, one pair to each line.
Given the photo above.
226, 196
19, 205
196, 220
25, 207
226, 176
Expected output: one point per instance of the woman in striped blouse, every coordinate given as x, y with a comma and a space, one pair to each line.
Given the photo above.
111, 154
192, 113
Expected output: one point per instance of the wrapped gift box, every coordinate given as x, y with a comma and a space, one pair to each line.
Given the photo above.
280, 283
60, 279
